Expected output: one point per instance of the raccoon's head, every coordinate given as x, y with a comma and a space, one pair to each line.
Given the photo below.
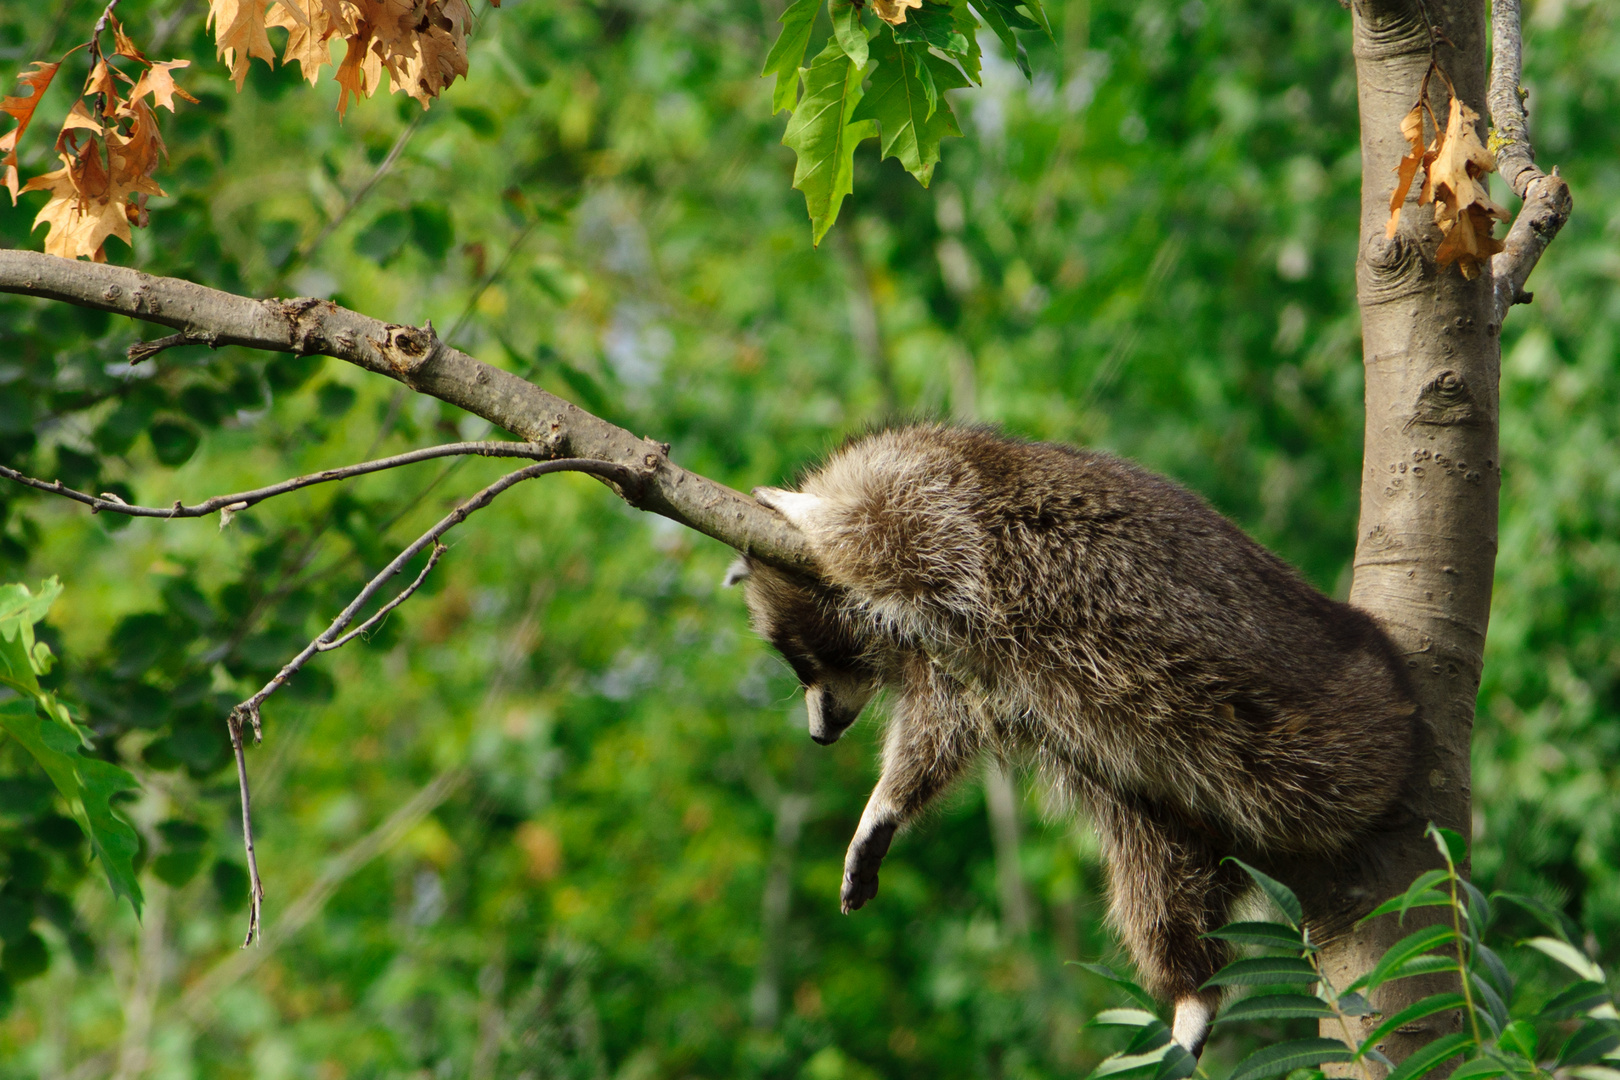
804, 623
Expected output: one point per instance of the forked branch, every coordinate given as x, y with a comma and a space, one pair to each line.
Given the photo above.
624, 477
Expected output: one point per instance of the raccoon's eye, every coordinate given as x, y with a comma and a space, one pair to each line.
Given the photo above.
803, 668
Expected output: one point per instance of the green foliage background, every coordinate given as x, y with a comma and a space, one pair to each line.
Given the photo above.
1148, 249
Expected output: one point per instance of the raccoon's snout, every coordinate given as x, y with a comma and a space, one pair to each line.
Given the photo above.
830, 717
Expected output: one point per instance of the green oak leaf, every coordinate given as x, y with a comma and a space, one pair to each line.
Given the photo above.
968, 27
788, 52
824, 133
1003, 17
87, 785
932, 24
847, 28
22, 659
899, 102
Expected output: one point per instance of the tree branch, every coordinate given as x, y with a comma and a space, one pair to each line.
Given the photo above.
417, 358
627, 478
230, 504
1547, 202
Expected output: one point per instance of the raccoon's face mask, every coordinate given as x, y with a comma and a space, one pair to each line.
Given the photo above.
804, 623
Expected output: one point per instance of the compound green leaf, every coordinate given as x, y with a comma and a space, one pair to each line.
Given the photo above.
1264, 970
1288, 1056
1434, 1003
1277, 1007
824, 132
1275, 891
1398, 961
1432, 1056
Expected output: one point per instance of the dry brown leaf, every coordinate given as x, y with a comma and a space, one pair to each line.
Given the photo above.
101, 82
79, 119
358, 74
1462, 202
22, 108
310, 32
1407, 167
158, 80
239, 34
421, 44
87, 203
123, 45
893, 12
441, 53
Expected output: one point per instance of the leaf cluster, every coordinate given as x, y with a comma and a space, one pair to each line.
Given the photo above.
1505, 1031
913, 54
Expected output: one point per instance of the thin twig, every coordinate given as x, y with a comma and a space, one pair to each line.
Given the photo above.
232, 504
302, 253
255, 883
382, 612
249, 711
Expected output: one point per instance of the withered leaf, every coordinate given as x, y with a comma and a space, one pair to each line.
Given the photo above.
123, 45
22, 108
1407, 167
158, 81
239, 34
1462, 203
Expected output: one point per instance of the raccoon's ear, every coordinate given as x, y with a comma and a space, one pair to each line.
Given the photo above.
739, 571
799, 508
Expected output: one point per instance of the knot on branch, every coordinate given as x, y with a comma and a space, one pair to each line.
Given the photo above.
1445, 401
305, 317
408, 348
1391, 267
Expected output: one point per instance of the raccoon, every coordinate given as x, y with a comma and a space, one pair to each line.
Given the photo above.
1069, 609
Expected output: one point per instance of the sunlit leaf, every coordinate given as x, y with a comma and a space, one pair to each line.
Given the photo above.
824, 132
1569, 956
1266, 934
87, 785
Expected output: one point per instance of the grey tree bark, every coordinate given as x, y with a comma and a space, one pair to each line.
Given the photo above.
1426, 545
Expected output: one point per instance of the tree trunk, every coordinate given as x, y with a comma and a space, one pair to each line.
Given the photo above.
1426, 546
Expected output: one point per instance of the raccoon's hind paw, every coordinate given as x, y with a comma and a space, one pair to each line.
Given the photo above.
866, 853
800, 509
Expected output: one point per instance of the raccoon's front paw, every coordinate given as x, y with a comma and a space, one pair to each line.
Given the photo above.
866, 853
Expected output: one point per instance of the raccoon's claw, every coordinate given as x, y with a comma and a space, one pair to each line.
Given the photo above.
866, 853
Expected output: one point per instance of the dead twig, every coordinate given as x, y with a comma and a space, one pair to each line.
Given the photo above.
231, 504
248, 712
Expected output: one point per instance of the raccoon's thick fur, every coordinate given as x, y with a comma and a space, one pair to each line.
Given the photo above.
1068, 608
